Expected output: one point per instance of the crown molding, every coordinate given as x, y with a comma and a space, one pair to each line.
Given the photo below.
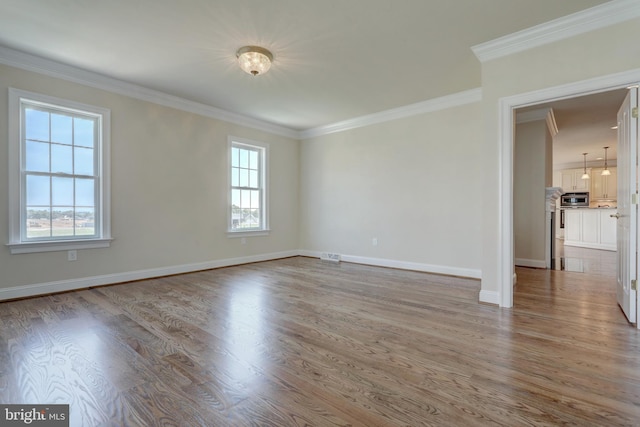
545, 114
66, 72
601, 16
431, 105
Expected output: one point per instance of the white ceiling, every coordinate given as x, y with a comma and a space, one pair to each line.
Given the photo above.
334, 59
584, 126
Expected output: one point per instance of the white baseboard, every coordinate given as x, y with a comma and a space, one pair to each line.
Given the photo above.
490, 297
403, 265
109, 279
534, 263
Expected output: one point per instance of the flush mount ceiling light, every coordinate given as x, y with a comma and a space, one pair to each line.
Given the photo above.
605, 171
585, 175
254, 60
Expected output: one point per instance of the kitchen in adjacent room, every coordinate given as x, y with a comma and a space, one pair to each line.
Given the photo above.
585, 169
565, 184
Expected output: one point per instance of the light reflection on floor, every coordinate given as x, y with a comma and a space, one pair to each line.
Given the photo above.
583, 260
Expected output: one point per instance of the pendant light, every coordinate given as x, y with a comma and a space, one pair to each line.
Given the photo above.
585, 175
606, 171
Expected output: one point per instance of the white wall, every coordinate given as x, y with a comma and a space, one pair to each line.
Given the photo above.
413, 183
531, 169
429, 187
595, 54
169, 197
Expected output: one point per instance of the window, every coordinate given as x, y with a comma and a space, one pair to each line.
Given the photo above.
59, 192
248, 192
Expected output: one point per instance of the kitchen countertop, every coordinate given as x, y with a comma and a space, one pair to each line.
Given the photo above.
589, 207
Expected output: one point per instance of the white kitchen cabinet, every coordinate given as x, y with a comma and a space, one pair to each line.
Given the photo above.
604, 187
590, 228
572, 225
571, 180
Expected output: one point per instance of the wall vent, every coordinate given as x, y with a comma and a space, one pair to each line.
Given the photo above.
329, 256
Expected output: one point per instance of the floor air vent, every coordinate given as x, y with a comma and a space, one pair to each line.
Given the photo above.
328, 256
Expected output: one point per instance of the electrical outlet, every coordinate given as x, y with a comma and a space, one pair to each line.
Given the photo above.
243, 241
374, 241
72, 255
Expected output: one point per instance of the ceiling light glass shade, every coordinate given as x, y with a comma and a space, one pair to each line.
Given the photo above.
254, 60
606, 172
585, 175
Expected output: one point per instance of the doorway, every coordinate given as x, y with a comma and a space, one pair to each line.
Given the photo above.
560, 148
507, 107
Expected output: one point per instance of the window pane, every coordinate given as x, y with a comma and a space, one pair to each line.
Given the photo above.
85, 222
38, 190
38, 222
83, 161
62, 191
245, 199
244, 158
235, 177
235, 157
244, 178
36, 124
61, 159
253, 218
62, 221
255, 199
61, 129
253, 159
85, 190
83, 132
37, 156
235, 198
253, 179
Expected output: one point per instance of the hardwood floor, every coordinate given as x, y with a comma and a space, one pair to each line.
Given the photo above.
303, 342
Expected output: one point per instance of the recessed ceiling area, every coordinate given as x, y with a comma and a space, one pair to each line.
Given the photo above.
333, 60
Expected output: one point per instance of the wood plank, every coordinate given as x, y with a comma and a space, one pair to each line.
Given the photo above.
298, 341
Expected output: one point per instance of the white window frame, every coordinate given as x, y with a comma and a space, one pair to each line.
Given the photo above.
264, 187
18, 242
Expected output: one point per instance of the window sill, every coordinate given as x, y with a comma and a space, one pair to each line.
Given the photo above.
59, 245
248, 233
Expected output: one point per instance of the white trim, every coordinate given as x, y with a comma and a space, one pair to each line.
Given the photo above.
58, 245
109, 279
532, 263
600, 16
505, 259
62, 71
545, 114
428, 106
489, 297
17, 242
66, 72
403, 265
264, 181
532, 116
31, 290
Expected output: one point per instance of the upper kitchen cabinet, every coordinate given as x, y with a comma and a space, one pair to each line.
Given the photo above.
604, 187
572, 180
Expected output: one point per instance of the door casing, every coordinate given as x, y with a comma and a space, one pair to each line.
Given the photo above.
506, 108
